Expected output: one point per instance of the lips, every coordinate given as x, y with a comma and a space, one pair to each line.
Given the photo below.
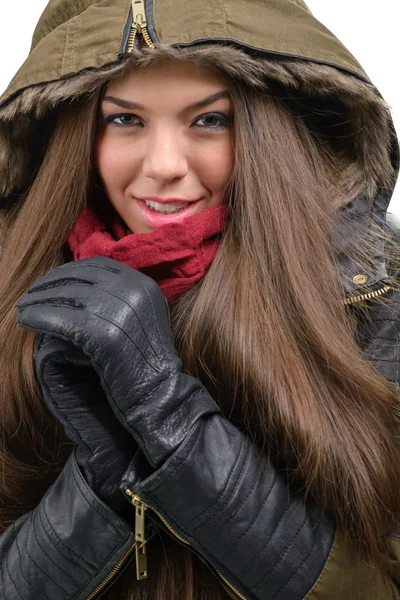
155, 220
166, 200
166, 208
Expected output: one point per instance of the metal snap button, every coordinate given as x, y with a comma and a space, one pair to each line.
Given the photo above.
359, 279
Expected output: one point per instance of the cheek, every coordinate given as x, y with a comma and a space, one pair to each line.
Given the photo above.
114, 164
215, 166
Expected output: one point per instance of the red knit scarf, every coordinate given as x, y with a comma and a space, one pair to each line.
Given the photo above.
176, 255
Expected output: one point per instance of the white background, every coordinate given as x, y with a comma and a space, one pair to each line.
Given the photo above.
370, 30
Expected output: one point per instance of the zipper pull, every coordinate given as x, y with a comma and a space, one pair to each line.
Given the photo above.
139, 25
140, 535
139, 15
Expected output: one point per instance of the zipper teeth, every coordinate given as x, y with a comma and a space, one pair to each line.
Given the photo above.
180, 538
238, 594
230, 586
133, 496
111, 575
131, 40
147, 38
367, 296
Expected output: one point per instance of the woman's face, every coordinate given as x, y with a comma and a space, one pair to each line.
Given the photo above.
164, 144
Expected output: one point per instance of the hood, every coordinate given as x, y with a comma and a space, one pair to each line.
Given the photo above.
78, 44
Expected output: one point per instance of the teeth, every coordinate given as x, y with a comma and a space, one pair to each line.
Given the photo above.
166, 209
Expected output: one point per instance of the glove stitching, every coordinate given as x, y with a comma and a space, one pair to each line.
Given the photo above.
114, 406
170, 415
154, 461
107, 291
130, 276
63, 545
48, 555
64, 302
101, 267
59, 414
131, 410
44, 287
111, 401
144, 356
178, 411
173, 521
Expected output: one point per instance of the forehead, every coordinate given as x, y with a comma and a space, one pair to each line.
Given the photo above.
169, 76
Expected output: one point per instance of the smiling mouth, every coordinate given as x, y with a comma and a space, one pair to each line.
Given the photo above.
166, 209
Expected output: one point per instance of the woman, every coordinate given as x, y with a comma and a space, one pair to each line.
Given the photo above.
238, 163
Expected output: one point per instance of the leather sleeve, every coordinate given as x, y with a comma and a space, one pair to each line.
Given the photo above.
65, 547
222, 496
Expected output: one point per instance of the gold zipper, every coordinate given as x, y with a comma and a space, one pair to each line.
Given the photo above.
136, 501
230, 587
140, 535
111, 575
367, 296
139, 25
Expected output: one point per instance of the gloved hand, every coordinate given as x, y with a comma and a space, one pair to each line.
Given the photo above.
74, 395
118, 318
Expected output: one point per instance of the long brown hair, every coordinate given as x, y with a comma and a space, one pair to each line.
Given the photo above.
266, 329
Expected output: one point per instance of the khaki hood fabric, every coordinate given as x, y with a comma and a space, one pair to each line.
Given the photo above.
77, 42
74, 35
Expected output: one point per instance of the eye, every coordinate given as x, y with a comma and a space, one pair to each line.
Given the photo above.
123, 120
213, 121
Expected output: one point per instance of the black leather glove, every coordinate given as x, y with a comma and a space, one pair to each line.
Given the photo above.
118, 318
73, 393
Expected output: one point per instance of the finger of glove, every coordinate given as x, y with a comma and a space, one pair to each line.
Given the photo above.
59, 316
134, 287
127, 376
74, 269
98, 270
74, 395
152, 299
109, 305
68, 317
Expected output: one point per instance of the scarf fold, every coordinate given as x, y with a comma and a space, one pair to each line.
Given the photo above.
176, 255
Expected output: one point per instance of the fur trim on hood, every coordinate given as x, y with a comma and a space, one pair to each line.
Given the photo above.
25, 121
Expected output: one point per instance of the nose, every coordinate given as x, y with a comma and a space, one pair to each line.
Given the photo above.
166, 156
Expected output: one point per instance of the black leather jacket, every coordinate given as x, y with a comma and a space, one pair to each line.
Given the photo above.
219, 495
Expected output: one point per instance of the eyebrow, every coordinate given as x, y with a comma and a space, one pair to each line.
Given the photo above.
136, 106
